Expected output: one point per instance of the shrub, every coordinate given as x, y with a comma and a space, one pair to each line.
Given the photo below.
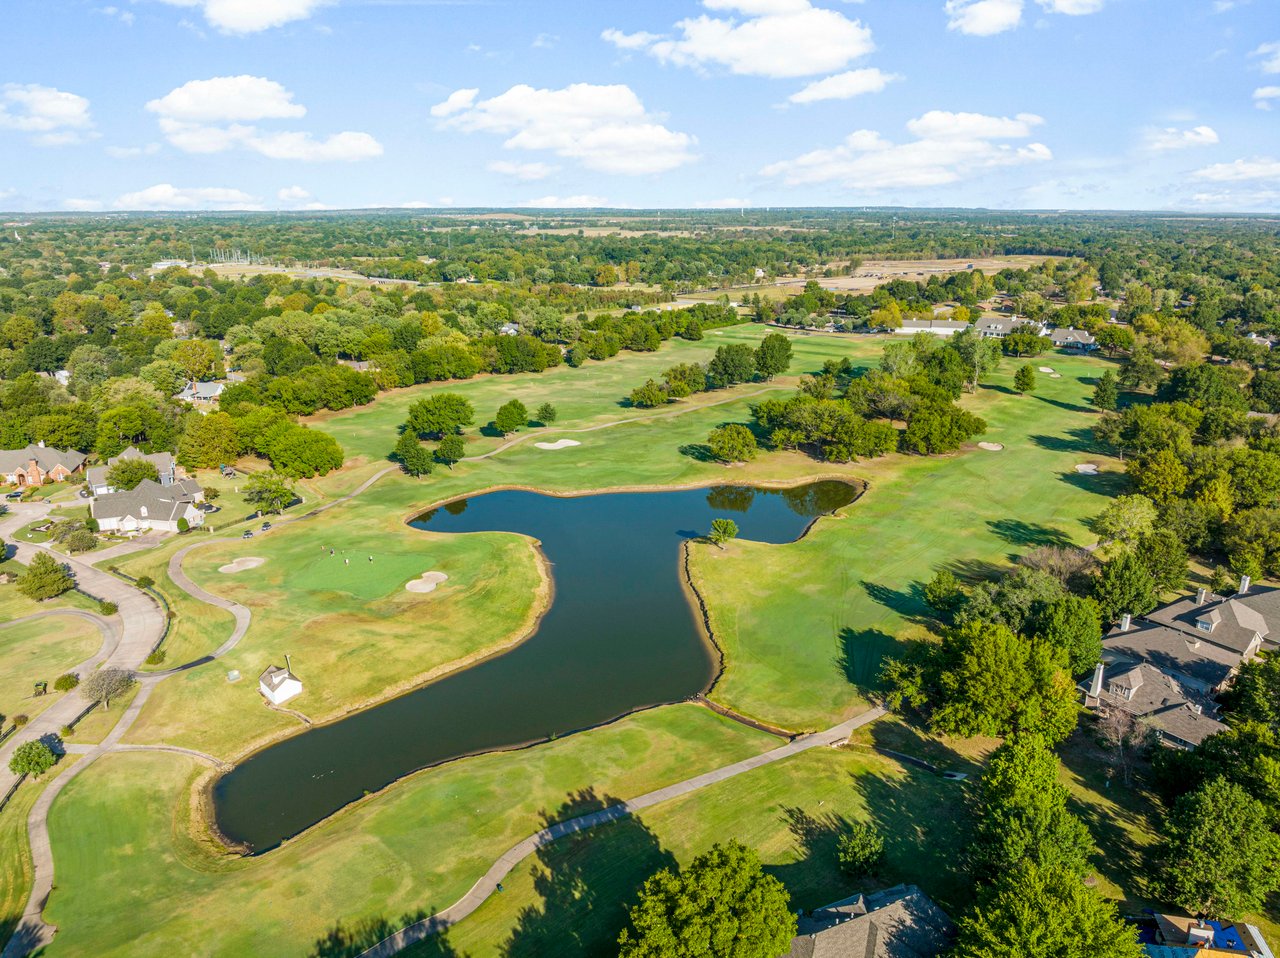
66, 682
156, 657
144, 582
45, 578
183, 526
82, 540
67, 731
860, 850
107, 608
20, 720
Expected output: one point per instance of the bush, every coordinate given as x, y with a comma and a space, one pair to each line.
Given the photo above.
20, 720
67, 731
183, 526
733, 443
156, 657
45, 578
32, 758
861, 850
66, 682
82, 540
144, 582
107, 608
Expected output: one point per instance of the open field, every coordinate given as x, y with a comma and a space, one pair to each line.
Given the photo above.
15, 853
417, 846
40, 651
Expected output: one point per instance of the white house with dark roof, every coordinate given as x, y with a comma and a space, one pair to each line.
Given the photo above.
149, 506
166, 469
1071, 338
195, 392
279, 685
998, 327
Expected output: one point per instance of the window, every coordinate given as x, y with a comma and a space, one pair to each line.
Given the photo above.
1204, 625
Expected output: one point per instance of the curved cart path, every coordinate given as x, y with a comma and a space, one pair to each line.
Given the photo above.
488, 884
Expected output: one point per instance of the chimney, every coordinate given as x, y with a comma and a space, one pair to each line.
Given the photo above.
1095, 686
1125, 621
1200, 596
40, 443
288, 667
1245, 582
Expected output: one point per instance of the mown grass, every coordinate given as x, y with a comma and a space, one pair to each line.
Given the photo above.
15, 853
40, 651
132, 882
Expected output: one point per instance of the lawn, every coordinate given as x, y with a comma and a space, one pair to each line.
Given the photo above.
132, 882
15, 853
40, 651
804, 627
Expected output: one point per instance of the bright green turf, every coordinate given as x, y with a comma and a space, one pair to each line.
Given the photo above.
130, 882
40, 651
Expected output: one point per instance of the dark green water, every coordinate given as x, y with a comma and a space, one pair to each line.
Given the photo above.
620, 635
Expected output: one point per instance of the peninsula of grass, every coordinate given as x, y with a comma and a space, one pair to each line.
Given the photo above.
124, 853
39, 650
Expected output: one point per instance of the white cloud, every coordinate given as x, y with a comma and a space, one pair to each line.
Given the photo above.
1257, 168
544, 41
216, 115
82, 205
129, 152
53, 117
949, 147
293, 194
1171, 138
1263, 96
1270, 53
983, 18
770, 38
522, 171
124, 16
605, 128
251, 16
457, 101
578, 202
844, 86
228, 99
165, 196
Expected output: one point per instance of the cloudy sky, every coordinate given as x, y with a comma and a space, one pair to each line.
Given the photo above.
296, 104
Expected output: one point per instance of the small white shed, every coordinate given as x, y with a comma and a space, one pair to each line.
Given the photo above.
279, 684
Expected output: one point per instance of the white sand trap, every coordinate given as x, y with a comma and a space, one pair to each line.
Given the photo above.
558, 444
242, 564
1087, 469
991, 446
1046, 369
427, 582
1055, 375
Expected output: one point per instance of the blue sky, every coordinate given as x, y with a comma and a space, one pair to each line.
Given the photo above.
289, 104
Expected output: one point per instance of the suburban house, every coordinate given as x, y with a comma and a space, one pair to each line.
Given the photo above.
202, 392
900, 922
163, 461
279, 685
1071, 338
1176, 936
509, 329
939, 327
1167, 668
998, 327
37, 464
149, 506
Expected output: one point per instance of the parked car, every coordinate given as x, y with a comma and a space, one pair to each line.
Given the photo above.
247, 534
266, 527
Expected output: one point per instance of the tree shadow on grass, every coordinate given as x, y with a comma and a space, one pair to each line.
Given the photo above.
698, 451
1020, 533
24, 939
1069, 406
1076, 440
908, 603
1108, 484
972, 571
585, 883
907, 739
814, 878
349, 939
995, 388
861, 653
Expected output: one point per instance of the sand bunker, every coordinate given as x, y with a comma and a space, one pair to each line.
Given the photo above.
1046, 369
1055, 376
427, 582
558, 444
1087, 469
991, 446
241, 565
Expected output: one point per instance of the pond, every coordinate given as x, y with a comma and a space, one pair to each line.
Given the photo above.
620, 635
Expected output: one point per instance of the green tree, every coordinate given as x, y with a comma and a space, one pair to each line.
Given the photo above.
128, 473
1165, 557
1038, 912
1160, 476
511, 416
45, 578
269, 491
860, 850
440, 415
1105, 394
773, 355
1126, 520
733, 443
1024, 380
649, 396
1024, 814
1071, 623
722, 531
1220, 856
451, 449
945, 594
415, 459
722, 905
32, 758
546, 414
1255, 694
735, 363
209, 441
66, 682
1124, 586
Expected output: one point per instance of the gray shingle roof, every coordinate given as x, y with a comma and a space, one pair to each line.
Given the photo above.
148, 500
899, 923
46, 458
1172, 650
1235, 620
